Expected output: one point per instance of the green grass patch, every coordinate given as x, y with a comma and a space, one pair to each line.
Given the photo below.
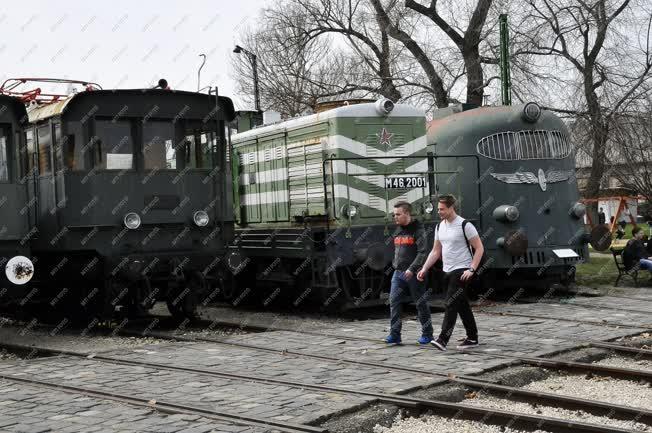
600, 271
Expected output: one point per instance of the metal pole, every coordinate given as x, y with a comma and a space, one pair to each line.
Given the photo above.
506, 83
199, 71
254, 64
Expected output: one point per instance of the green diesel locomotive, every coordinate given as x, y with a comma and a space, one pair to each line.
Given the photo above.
314, 198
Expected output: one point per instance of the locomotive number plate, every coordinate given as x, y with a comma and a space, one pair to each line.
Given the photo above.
405, 182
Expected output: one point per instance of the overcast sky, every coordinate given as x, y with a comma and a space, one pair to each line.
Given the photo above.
125, 43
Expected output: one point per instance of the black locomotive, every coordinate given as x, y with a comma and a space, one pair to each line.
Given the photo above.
132, 198
14, 229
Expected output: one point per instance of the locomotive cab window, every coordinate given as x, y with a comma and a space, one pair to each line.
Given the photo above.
198, 147
159, 146
113, 145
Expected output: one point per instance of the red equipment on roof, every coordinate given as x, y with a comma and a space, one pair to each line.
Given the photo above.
9, 87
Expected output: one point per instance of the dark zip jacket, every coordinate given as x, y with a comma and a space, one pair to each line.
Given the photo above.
410, 249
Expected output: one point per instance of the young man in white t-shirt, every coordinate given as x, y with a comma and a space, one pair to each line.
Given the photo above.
459, 265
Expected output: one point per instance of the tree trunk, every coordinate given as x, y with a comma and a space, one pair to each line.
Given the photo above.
474, 76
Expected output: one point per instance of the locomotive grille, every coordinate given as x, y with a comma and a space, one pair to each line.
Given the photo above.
525, 145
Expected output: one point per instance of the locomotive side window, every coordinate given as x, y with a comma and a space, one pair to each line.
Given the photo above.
31, 151
44, 150
113, 145
57, 146
158, 148
4, 163
74, 154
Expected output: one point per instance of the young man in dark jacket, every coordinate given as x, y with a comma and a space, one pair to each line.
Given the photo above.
635, 253
410, 246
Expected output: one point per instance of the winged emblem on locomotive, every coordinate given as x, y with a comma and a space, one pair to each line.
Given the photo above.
542, 178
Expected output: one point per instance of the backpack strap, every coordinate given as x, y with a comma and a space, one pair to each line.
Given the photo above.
468, 245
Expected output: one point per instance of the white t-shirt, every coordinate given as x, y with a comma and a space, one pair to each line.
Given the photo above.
455, 253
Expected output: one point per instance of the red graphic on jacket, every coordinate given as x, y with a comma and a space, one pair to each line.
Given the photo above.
404, 240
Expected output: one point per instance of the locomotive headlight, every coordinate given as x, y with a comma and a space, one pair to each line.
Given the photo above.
384, 106
428, 208
132, 221
349, 210
201, 218
506, 213
531, 112
578, 210
19, 270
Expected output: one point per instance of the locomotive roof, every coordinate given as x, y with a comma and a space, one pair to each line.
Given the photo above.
482, 117
18, 107
358, 110
40, 112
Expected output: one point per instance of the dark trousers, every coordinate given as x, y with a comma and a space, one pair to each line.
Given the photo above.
419, 294
457, 303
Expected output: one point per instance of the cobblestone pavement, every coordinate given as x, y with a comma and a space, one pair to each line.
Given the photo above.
25, 408
557, 326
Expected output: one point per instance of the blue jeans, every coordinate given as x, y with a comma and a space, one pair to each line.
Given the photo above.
419, 295
645, 264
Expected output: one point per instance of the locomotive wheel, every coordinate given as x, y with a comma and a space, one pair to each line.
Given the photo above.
182, 306
183, 300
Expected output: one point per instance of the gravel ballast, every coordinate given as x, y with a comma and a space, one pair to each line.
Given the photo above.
634, 364
437, 424
489, 401
599, 388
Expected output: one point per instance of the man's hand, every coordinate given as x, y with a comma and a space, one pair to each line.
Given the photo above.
466, 275
421, 275
407, 275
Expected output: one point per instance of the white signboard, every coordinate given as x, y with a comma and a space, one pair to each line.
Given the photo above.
565, 253
119, 161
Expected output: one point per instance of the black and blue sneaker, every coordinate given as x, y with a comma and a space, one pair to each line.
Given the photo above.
393, 340
424, 339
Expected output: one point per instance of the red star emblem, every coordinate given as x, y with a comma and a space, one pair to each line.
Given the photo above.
385, 137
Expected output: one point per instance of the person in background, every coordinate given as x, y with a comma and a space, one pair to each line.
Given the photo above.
635, 254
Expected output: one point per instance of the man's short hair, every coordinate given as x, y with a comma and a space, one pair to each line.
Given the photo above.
635, 230
447, 199
407, 207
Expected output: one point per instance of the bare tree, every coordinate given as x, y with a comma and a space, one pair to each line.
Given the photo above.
632, 151
466, 40
355, 24
596, 69
293, 73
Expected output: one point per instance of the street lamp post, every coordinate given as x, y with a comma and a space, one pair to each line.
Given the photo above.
254, 66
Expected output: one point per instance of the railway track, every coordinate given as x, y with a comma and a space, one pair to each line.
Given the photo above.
534, 361
565, 319
569, 302
492, 416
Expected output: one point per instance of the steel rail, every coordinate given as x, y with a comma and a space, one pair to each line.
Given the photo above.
487, 415
638, 352
166, 407
580, 305
565, 319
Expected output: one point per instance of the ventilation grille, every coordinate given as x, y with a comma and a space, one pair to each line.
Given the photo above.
525, 145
